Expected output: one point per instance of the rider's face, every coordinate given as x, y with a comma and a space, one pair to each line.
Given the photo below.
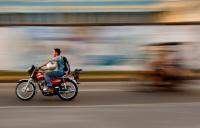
54, 53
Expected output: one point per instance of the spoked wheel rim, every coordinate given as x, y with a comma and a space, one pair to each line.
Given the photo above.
69, 92
23, 92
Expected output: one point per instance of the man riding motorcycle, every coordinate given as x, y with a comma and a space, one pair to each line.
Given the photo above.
57, 82
58, 72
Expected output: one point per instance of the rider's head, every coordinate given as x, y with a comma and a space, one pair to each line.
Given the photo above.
56, 52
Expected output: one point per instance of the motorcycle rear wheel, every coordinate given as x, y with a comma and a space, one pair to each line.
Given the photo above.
71, 89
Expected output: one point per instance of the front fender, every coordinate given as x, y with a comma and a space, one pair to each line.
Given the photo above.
26, 80
23, 80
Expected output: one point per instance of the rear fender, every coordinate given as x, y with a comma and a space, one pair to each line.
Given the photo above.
71, 78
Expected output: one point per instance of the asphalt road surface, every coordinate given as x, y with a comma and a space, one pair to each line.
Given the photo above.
105, 105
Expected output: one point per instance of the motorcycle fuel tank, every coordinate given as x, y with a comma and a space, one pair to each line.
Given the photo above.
40, 76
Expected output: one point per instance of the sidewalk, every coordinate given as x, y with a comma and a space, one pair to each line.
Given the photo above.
93, 76
90, 76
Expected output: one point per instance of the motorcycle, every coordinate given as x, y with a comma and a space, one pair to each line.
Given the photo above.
64, 87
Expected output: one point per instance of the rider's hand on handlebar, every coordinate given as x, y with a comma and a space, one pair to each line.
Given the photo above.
40, 68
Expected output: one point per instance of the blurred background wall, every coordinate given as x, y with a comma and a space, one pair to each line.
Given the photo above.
94, 34
94, 47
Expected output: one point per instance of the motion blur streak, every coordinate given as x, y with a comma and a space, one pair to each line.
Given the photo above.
140, 61
95, 48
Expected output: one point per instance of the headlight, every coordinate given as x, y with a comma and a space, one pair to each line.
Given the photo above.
30, 69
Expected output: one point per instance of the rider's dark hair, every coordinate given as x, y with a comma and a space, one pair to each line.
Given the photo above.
57, 50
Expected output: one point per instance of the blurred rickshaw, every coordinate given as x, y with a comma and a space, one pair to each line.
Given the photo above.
166, 64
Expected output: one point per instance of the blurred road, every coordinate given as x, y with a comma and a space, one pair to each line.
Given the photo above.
105, 105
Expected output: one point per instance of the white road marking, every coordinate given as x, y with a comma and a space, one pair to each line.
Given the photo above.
108, 106
88, 90
104, 90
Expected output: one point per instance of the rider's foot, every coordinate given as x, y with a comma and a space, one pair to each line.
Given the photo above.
47, 89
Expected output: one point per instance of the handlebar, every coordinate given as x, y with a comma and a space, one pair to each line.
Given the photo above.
39, 68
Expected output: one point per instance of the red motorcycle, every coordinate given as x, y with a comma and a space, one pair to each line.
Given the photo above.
65, 87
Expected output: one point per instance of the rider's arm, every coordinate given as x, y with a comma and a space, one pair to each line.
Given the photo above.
52, 59
44, 64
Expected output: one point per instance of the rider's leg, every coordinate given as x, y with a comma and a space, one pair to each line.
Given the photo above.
49, 75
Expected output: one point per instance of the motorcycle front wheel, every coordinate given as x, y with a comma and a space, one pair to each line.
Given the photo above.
68, 93
24, 93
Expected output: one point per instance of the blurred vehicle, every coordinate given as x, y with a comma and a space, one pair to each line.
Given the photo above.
167, 65
65, 87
